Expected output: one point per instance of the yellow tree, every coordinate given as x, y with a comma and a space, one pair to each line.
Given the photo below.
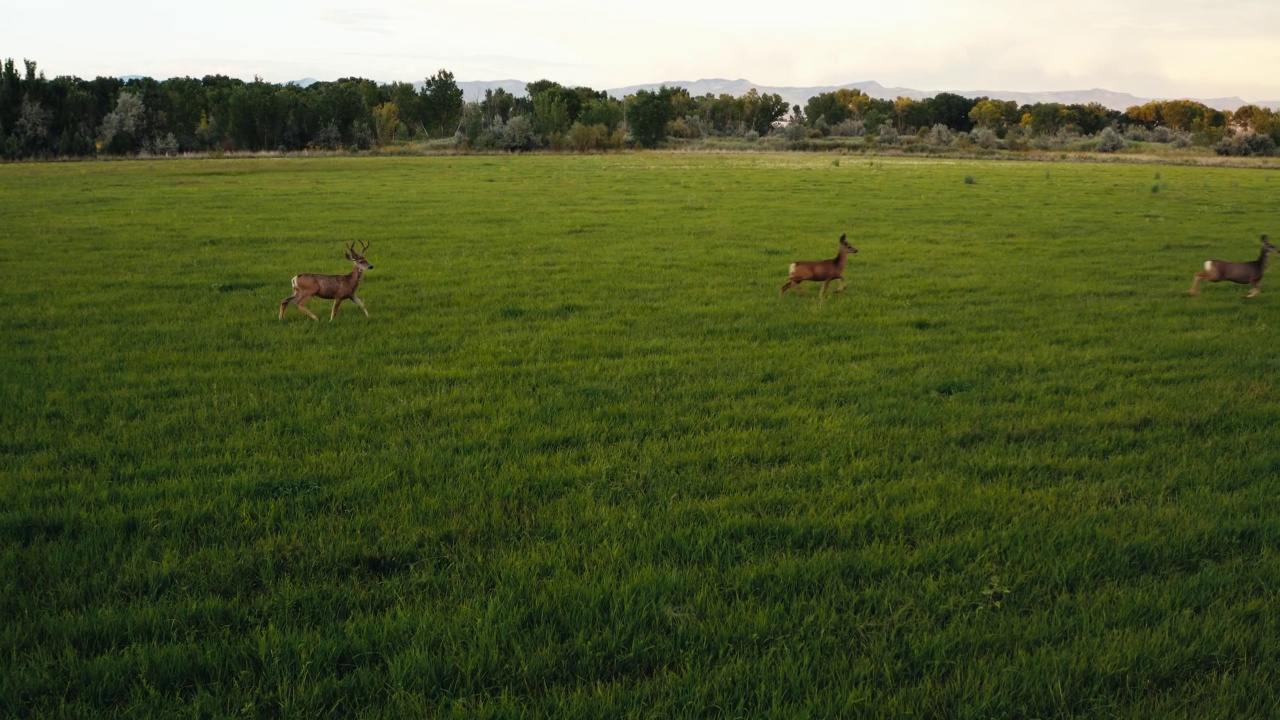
386, 118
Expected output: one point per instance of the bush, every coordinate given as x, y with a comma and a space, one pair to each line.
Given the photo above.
1109, 141
795, 132
888, 135
940, 136
849, 128
585, 138
984, 138
518, 134
1245, 144
329, 137
361, 136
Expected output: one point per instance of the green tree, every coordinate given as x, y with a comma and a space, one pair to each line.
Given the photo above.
760, 112
441, 101
996, 115
602, 111
497, 106
124, 129
827, 107
951, 110
407, 101
647, 115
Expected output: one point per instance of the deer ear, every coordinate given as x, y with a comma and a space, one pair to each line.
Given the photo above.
842, 237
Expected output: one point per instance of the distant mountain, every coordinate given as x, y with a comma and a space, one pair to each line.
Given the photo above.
473, 91
800, 95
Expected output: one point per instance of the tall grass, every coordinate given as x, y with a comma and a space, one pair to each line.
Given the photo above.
582, 461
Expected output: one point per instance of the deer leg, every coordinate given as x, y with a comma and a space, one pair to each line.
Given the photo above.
360, 303
823, 292
304, 309
336, 303
285, 303
842, 285
1195, 284
787, 286
1256, 289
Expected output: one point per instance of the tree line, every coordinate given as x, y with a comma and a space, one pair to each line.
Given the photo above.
70, 117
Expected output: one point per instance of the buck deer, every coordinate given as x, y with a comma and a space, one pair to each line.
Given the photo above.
330, 287
1237, 272
824, 270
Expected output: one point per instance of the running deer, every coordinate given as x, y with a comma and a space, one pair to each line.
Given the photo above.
819, 270
1237, 272
330, 287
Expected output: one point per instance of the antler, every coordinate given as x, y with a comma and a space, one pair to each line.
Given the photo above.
363, 247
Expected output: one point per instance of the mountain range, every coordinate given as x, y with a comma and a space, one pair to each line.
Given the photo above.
474, 90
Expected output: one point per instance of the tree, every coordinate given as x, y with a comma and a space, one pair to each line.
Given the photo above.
827, 107
32, 128
123, 129
602, 111
951, 110
497, 105
760, 112
406, 101
550, 113
441, 101
996, 115
648, 113
386, 118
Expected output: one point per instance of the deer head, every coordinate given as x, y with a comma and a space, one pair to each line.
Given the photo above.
357, 257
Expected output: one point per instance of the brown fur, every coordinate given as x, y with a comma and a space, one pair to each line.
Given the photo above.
1244, 273
823, 271
330, 287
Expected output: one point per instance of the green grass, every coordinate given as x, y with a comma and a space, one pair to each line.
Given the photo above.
581, 461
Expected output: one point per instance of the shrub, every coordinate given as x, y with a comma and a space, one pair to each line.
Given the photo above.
1245, 144
361, 136
984, 138
849, 128
518, 134
888, 135
585, 138
1109, 141
329, 137
795, 132
940, 136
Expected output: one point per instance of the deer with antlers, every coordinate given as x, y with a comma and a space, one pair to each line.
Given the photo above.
819, 270
330, 287
1236, 272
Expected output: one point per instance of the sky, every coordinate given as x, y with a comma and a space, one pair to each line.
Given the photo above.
1150, 48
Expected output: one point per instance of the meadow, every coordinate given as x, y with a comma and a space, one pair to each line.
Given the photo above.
582, 461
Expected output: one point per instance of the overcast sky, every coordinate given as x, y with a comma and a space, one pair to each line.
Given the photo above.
1151, 48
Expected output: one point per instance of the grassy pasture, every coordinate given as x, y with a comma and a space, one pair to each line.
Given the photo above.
583, 462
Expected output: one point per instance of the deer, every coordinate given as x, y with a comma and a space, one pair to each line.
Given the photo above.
1237, 272
330, 287
823, 270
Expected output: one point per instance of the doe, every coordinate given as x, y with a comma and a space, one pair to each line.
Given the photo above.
819, 270
330, 287
1236, 272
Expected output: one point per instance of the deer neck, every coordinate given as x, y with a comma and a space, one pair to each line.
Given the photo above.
1263, 259
841, 257
353, 279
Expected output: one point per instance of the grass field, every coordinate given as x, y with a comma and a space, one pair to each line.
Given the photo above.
582, 461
